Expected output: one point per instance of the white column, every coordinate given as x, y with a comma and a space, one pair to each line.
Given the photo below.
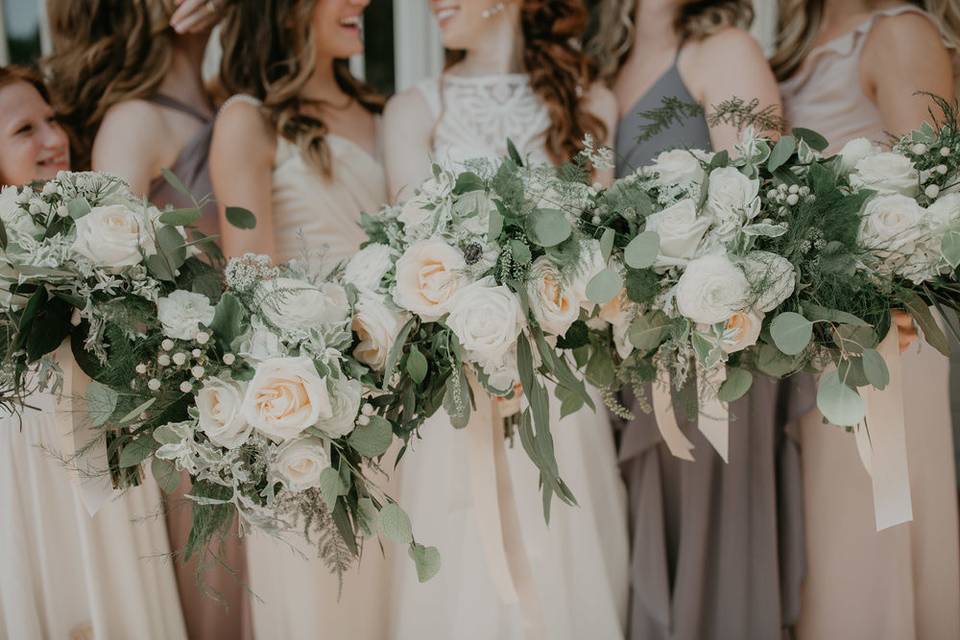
765, 24
418, 53
4, 51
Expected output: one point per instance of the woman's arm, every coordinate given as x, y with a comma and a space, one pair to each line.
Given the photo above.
407, 126
730, 64
241, 169
601, 102
131, 144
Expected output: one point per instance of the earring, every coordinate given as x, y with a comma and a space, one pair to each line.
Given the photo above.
494, 10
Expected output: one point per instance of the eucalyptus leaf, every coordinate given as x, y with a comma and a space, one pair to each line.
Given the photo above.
228, 319
166, 474
875, 369
396, 524
241, 218
175, 182
817, 313
606, 243
137, 450
172, 245
854, 338
416, 364
520, 252
642, 251
548, 227
785, 147
78, 207
648, 331
367, 516
331, 486
136, 413
924, 319
494, 225
101, 402
604, 286
816, 141
838, 403
467, 182
791, 332
426, 559
372, 439
736, 385
950, 248
600, 371
180, 217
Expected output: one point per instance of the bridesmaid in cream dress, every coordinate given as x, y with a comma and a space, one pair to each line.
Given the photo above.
297, 145
848, 69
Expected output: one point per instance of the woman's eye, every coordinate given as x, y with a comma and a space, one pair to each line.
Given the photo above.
27, 128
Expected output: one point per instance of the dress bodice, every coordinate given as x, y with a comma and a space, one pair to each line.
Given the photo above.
475, 116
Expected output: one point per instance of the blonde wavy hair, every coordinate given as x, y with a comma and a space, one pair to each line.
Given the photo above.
270, 54
104, 52
800, 21
614, 25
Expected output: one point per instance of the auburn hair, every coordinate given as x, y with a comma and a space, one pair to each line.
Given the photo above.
614, 26
269, 53
13, 73
558, 71
104, 52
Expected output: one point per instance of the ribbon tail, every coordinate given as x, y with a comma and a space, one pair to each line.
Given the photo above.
663, 411
713, 418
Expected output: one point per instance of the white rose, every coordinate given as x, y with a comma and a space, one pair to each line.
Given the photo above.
113, 236
417, 211
855, 151
298, 464
550, 301
680, 230
260, 343
295, 305
502, 373
367, 267
886, 172
285, 397
182, 312
16, 221
732, 199
487, 319
589, 264
677, 167
711, 289
944, 213
741, 330
772, 279
377, 326
219, 403
892, 226
429, 274
344, 403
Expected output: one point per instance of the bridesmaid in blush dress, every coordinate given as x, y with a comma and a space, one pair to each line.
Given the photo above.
850, 69
716, 548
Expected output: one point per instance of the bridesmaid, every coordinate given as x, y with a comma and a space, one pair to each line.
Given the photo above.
850, 68
297, 144
66, 574
129, 87
715, 547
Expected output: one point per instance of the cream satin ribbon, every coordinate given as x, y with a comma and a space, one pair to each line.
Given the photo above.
662, 400
882, 441
713, 416
497, 516
82, 446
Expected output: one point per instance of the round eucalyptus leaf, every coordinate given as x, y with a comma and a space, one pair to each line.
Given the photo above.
642, 251
875, 369
736, 385
791, 332
604, 286
838, 403
548, 227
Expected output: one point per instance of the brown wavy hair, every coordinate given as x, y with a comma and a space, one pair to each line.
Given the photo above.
800, 22
104, 52
269, 53
558, 70
614, 25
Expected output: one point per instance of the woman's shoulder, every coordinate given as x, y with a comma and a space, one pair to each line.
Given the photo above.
902, 28
728, 45
135, 120
412, 107
242, 127
600, 101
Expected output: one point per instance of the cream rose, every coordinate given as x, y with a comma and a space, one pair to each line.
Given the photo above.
113, 236
589, 264
299, 463
551, 302
741, 330
367, 267
487, 319
677, 167
772, 279
182, 312
377, 326
680, 230
219, 403
732, 199
886, 172
620, 313
855, 151
711, 289
892, 226
285, 397
429, 275
344, 404
295, 305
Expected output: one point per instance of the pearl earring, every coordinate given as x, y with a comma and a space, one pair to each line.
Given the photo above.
494, 10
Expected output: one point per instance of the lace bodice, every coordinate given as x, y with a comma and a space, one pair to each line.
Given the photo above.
476, 115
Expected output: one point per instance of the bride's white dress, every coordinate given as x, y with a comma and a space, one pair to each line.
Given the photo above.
65, 574
579, 563
295, 597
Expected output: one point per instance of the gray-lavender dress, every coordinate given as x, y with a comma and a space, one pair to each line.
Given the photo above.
717, 549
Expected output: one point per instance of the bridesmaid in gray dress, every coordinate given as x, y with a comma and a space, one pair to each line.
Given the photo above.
717, 549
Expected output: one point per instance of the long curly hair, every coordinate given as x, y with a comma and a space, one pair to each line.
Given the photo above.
104, 52
614, 26
800, 22
269, 53
559, 71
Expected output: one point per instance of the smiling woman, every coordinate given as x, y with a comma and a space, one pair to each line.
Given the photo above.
34, 145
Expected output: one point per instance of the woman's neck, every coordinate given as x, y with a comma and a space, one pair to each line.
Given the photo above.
839, 11
184, 79
654, 26
322, 86
499, 50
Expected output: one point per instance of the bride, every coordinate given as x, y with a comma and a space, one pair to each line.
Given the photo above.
513, 73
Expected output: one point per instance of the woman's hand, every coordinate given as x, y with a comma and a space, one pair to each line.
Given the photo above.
906, 330
196, 16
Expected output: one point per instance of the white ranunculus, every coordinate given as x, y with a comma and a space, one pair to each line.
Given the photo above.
300, 463
677, 167
486, 318
741, 330
260, 343
367, 267
15, 220
680, 230
219, 403
295, 305
344, 403
285, 397
886, 172
943, 213
429, 275
182, 312
113, 236
772, 279
551, 302
855, 151
589, 264
377, 326
711, 289
892, 227
732, 199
